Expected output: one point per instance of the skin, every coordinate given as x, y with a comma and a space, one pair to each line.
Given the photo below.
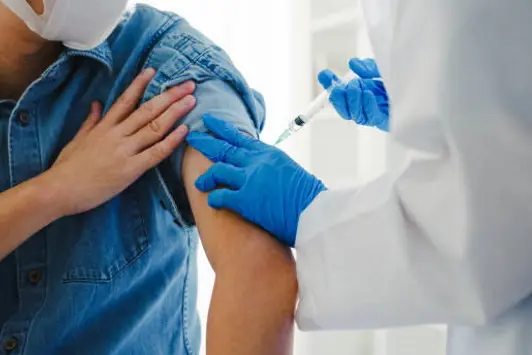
254, 297
255, 290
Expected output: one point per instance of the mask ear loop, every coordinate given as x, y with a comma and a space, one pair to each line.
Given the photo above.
27, 14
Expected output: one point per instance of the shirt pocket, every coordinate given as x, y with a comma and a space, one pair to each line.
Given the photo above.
108, 239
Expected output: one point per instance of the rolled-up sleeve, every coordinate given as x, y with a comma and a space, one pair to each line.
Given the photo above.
221, 100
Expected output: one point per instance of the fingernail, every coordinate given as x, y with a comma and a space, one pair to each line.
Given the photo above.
189, 101
182, 130
199, 183
95, 107
191, 85
149, 72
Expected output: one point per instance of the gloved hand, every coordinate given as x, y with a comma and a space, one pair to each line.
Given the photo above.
255, 180
363, 100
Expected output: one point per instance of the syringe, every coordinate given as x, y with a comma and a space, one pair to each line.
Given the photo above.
315, 107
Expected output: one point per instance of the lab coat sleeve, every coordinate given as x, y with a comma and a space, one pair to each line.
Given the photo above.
447, 238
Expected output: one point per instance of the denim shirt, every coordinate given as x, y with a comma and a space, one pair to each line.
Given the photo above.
119, 279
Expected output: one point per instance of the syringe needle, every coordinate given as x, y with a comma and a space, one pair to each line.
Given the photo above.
283, 137
314, 108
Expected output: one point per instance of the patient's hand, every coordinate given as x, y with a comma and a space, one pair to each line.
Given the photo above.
110, 153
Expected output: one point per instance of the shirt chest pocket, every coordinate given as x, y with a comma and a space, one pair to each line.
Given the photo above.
106, 240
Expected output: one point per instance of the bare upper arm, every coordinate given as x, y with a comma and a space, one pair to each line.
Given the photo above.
253, 301
226, 237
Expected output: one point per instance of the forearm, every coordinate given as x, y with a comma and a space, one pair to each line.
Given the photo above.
24, 210
254, 296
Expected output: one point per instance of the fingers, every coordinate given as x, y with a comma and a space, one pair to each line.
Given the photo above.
217, 150
127, 103
339, 100
326, 78
364, 68
151, 157
157, 128
371, 110
91, 121
229, 133
224, 198
354, 102
221, 174
156, 106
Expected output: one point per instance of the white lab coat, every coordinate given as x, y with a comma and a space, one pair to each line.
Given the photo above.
447, 239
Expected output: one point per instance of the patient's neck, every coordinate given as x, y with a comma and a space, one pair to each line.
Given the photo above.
24, 56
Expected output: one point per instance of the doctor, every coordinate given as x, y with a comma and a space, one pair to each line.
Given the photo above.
446, 239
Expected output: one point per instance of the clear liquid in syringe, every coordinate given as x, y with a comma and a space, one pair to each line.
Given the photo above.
314, 108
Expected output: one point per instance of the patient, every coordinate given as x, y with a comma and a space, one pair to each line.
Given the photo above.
97, 249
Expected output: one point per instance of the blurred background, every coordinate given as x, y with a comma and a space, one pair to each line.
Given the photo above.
280, 46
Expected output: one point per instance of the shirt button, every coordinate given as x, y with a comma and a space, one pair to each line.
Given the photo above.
34, 277
23, 118
10, 344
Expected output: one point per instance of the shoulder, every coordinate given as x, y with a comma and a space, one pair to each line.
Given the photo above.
147, 37
146, 28
167, 42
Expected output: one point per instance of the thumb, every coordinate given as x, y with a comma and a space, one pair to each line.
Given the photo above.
221, 174
326, 78
224, 199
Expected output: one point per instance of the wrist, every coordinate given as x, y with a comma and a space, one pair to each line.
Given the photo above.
50, 194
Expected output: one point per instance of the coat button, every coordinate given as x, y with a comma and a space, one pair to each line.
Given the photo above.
10, 344
23, 118
34, 277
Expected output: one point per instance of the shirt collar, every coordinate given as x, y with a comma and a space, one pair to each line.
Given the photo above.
101, 54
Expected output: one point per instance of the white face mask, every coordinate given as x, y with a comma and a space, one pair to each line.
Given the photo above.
79, 24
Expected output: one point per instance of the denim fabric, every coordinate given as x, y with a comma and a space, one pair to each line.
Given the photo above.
120, 279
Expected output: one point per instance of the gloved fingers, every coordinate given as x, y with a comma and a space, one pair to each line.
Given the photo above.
354, 102
224, 199
339, 100
371, 110
229, 132
385, 125
375, 86
326, 78
379, 89
364, 68
217, 150
221, 174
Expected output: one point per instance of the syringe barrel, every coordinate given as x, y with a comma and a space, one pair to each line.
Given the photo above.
317, 105
298, 123
322, 100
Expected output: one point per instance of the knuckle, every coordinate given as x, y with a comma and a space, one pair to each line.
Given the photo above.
176, 108
149, 108
123, 152
155, 127
126, 100
225, 153
159, 152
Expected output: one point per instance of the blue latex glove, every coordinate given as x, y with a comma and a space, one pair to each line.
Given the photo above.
255, 180
363, 100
